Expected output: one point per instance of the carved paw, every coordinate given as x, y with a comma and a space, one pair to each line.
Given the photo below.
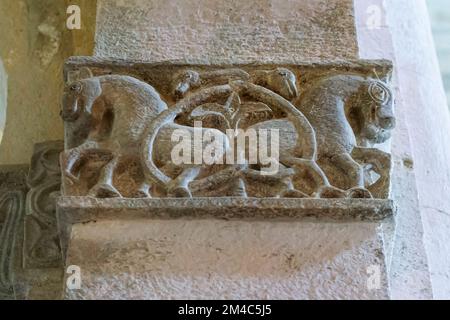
329, 192
179, 192
359, 193
104, 191
142, 192
294, 194
70, 178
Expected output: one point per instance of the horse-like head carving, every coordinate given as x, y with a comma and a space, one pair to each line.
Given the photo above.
375, 112
280, 80
79, 96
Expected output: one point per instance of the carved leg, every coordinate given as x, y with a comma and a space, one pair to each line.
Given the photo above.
381, 162
290, 191
104, 187
310, 170
71, 157
179, 187
355, 173
143, 191
238, 188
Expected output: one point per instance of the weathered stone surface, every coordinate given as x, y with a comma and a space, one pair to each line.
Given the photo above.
75, 210
213, 259
41, 246
228, 31
120, 130
13, 189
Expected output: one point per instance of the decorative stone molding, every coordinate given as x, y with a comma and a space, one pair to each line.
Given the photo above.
12, 207
41, 243
121, 118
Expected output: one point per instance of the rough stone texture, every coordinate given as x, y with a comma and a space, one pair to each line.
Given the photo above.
318, 122
41, 254
3, 98
75, 210
13, 189
212, 259
41, 243
233, 31
34, 43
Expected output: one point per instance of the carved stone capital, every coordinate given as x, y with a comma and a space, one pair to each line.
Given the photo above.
137, 130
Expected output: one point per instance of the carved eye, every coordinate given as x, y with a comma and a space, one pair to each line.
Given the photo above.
188, 76
379, 93
283, 73
76, 87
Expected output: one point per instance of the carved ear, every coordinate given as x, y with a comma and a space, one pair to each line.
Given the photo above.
85, 73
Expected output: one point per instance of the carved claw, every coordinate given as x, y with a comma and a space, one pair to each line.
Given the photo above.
329, 192
70, 178
104, 191
179, 192
294, 194
237, 85
359, 193
142, 192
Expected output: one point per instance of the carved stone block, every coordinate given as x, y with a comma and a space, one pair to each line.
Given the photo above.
13, 189
126, 126
41, 243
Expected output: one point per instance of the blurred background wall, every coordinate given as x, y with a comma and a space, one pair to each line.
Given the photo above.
440, 23
34, 42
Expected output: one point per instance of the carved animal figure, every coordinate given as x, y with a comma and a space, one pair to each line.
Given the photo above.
302, 154
275, 87
109, 114
279, 80
350, 114
189, 80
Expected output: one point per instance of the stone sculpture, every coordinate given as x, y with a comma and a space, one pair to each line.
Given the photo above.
12, 208
120, 134
41, 241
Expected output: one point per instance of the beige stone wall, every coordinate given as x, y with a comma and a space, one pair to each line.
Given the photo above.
233, 31
34, 43
3, 97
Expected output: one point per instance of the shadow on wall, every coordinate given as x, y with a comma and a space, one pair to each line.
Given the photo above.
34, 43
440, 22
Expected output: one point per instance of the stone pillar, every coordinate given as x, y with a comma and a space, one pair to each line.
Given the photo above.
150, 248
409, 275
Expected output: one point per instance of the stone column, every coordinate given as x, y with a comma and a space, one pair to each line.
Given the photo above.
123, 254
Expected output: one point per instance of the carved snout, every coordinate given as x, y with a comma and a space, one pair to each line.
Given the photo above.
70, 109
181, 89
291, 89
386, 118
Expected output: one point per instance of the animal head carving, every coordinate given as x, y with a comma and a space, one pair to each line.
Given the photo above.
376, 113
184, 81
80, 95
279, 80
